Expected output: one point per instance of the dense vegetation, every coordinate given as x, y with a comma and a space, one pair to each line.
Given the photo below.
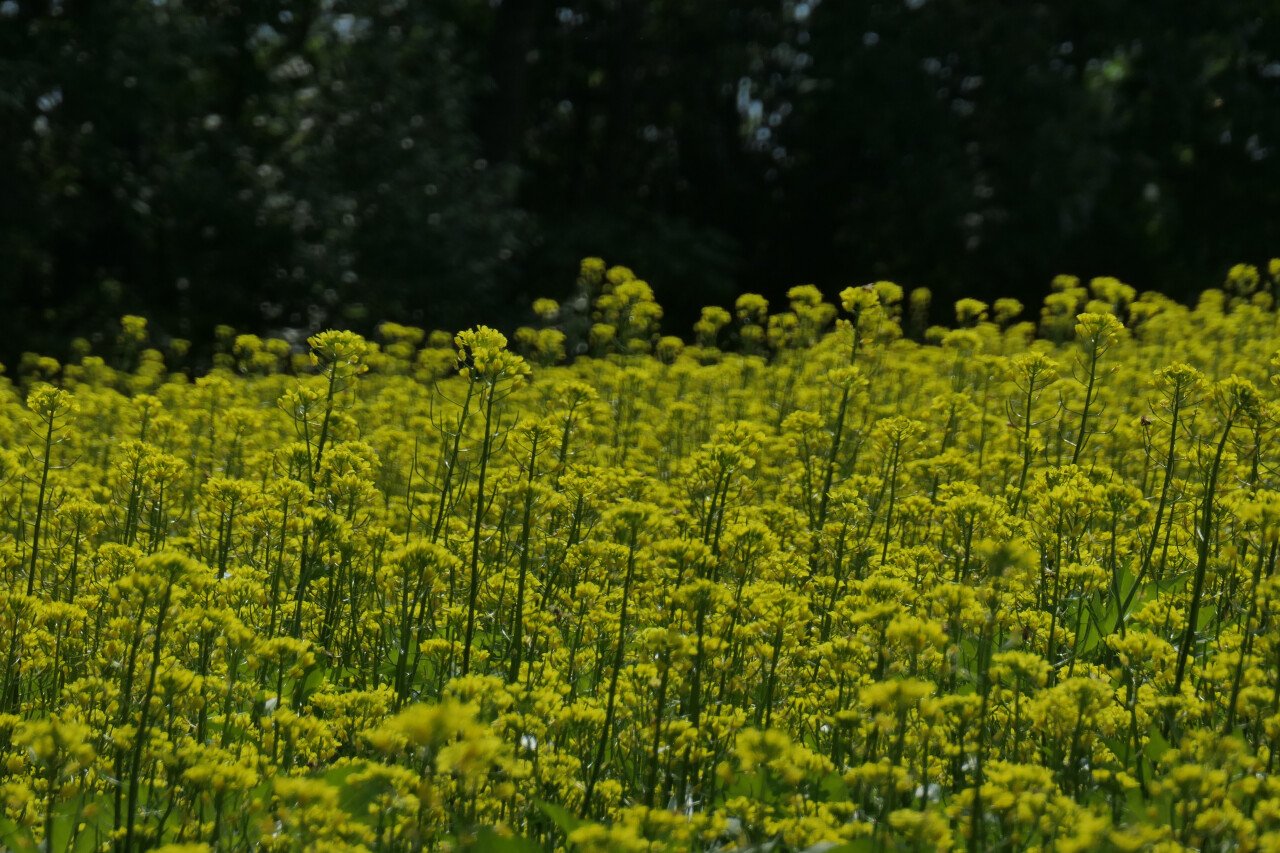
317, 163
805, 580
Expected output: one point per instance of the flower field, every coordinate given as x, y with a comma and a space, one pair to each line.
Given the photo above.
826, 578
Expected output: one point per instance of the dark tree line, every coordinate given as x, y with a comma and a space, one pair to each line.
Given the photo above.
294, 164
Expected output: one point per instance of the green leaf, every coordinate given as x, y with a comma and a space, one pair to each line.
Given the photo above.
1156, 745
354, 798
861, 845
488, 841
833, 787
14, 837
561, 817
69, 814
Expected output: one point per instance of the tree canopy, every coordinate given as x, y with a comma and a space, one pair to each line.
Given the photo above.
296, 164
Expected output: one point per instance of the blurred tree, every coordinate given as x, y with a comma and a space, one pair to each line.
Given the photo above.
973, 147
292, 163
979, 147
267, 164
626, 119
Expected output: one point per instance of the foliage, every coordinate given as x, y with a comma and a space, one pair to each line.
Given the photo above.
298, 164
258, 164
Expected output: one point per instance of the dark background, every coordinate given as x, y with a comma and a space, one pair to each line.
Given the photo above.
274, 164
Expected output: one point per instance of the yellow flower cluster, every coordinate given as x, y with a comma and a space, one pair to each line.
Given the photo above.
823, 577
